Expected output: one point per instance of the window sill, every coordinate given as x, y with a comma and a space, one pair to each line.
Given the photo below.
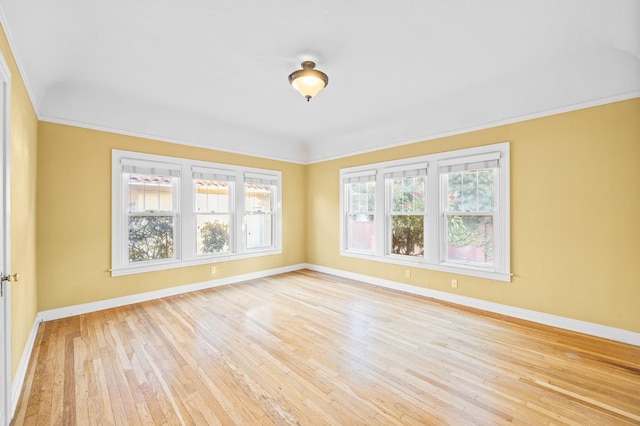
442, 267
204, 260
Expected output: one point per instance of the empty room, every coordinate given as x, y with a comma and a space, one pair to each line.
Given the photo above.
320, 213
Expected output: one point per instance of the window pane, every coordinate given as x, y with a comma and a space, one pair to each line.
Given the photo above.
361, 226
212, 196
147, 193
470, 191
407, 235
470, 239
362, 197
360, 232
257, 197
408, 194
259, 227
213, 233
259, 230
150, 238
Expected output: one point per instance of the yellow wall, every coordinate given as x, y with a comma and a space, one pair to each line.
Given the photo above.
575, 221
575, 192
74, 220
24, 150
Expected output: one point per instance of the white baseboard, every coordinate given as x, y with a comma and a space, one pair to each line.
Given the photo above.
85, 308
21, 373
593, 329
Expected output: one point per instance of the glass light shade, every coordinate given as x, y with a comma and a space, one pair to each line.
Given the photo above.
307, 81
308, 85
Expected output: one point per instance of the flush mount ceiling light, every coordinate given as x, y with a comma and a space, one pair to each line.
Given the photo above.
307, 81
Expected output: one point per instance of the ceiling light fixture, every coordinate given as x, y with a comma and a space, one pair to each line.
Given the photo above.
307, 81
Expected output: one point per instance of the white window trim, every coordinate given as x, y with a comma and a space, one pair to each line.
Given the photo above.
501, 271
185, 250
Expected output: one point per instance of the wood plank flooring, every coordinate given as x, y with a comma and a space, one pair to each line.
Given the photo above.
312, 349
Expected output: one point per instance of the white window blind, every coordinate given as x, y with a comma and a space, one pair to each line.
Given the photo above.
212, 174
483, 161
357, 177
149, 168
264, 179
405, 171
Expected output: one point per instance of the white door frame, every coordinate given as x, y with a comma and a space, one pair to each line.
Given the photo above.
6, 406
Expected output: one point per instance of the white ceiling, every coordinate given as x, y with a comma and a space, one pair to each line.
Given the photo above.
214, 73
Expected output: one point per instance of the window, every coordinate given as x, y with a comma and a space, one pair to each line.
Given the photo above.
213, 210
151, 210
447, 211
469, 209
360, 190
259, 193
171, 212
406, 213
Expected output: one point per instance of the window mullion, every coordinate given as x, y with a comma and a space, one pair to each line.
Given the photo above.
187, 215
498, 200
380, 218
433, 219
240, 209
388, 217
123, 219
234, 218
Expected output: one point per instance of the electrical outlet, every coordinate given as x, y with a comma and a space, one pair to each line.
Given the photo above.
213, 270
407, 273
454, 283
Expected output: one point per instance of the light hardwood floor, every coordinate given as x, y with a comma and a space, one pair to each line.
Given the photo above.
308, 348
